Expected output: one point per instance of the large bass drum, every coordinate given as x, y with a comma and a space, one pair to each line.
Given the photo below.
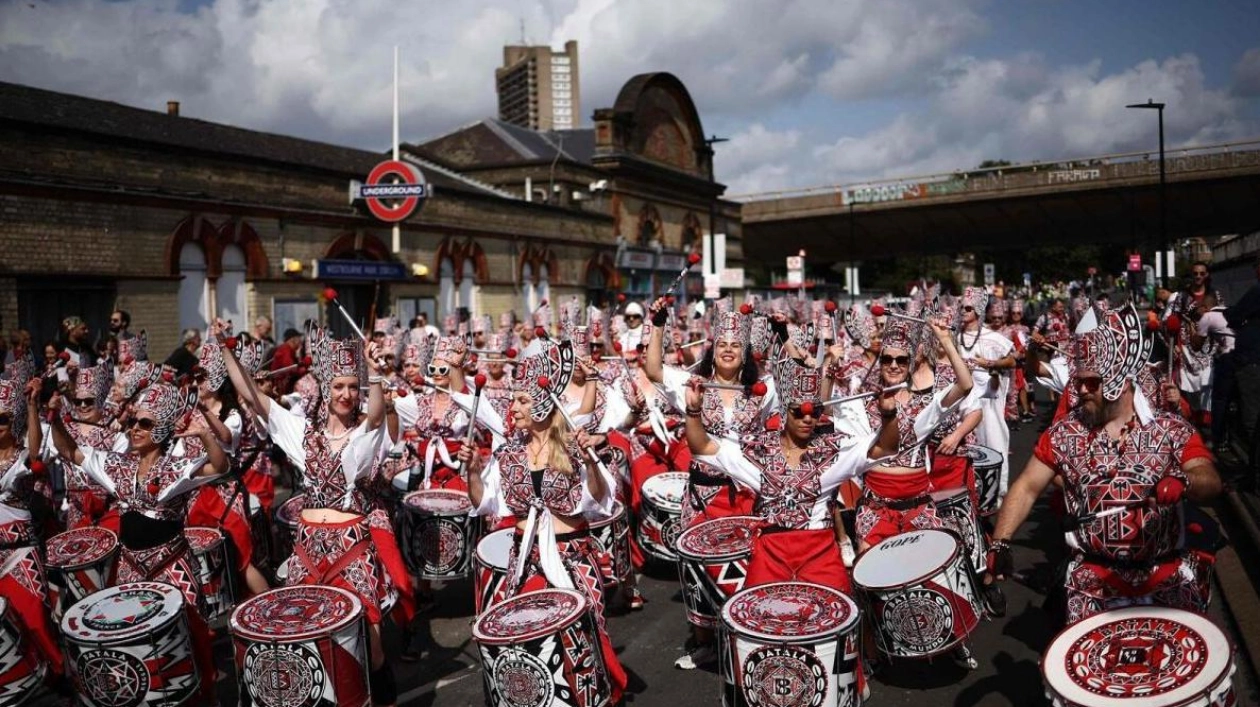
1143, 655
80, 563
661, 521
439, 534
129, 645
988, 465
22, 669
612, 537
713, 564
493, 554
303, 645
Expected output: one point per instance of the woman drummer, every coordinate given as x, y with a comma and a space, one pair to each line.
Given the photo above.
730, 412
86, 504
895, 498
541, 476
152, 486
342, 540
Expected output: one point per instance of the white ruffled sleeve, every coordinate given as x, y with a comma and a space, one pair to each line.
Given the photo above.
731, 461
491, 498
288, 430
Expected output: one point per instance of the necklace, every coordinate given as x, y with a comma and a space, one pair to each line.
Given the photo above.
535, 454
336, 437
962, 340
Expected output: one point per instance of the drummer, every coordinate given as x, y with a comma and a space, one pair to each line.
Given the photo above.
153, 488
342, 540
540, 475
87, 504
895, 498
1117, 455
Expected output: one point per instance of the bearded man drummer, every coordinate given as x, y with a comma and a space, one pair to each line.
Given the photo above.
1126, 468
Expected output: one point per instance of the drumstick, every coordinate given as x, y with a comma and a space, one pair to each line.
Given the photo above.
868, 394
880, 310
479, 382
545, 383
1080, 520
692, 259
758, 388
331, 295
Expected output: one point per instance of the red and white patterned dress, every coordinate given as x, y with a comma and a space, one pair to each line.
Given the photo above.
1137, 556
87, 504
22, 579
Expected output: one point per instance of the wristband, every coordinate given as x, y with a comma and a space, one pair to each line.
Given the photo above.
376, 379
693, 412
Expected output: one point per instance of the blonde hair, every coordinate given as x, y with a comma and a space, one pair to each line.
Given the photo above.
559, 437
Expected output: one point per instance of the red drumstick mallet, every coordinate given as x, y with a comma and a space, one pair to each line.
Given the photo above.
692, 259
879, 310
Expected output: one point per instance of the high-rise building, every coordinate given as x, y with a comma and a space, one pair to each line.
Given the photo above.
538, 88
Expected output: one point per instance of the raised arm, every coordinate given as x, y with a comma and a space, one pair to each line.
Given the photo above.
962, 386
376, 386
66, 447
697, 437
654, 360
258, 404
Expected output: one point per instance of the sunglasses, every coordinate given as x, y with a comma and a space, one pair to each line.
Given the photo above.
633, 316
887, 360
85, 402
1199, 273
439, 370
6, 420
145, 423
969, 308
798, 414
1089, 385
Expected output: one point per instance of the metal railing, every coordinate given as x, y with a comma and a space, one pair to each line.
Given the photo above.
1118, 166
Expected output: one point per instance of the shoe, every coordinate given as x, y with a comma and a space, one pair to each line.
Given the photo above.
995, 600
636, 600
703, 655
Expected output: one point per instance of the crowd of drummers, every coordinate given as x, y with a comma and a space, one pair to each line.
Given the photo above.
832, 484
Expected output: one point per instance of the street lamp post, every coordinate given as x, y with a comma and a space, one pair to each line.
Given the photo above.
709, 143
1163, 182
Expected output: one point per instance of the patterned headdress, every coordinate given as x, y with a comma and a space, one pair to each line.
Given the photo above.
1112, 345
542, 316
507, 320
597, 320
333, 358
136, 378
251, 355
900, 334
12, 393
450, 324
1018, 306
168, 404
94, 382
548, 359
797, 384
450, 349
975, 297
570, 314
418, 349
861, 326
210, 360
496, 341
581, 338
731, 325
760, 335
134, 349
482, 324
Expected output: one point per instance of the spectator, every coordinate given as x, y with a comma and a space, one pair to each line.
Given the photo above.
120, 324
190, 340
74, 333
1212, 328
286, 355
1244, 319
429, 330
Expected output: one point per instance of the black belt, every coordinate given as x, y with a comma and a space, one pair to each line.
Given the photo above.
698, 479
1144, 564
896, 504
140, 532
565, 537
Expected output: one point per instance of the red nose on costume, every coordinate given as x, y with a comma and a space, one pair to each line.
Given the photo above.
479, 380
693, 258
830, 306
330, 294
759, 388
544, 382
878, 310
540, 332
807, 409
510, 353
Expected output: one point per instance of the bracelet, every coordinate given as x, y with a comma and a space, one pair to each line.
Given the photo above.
376, 379
693, 412
1000, 545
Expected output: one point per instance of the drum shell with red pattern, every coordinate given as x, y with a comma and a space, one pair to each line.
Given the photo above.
920, 593
217, 575
713, 564
286, 524
789, 643
80, 562
612, 537
438, 535
660, 521
307, 640
542, 648
22, 669
987, 463
1143, 655
954, 508
493, 554
130, 645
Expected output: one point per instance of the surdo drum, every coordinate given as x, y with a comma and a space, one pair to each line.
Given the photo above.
790, 643
988, 465
440, 534
302, 646
540, 649
612, 536
953, 507
287, 516
1143, 655
80, 562
493, 553
21, 668
129, 645
920, 592
713, 564
661, 521
217, 575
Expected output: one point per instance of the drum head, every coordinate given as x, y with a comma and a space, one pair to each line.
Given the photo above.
123, 612
982, 456
790, 612
718, 539
905, 559
297, 613
526, 617
438, 502
665, 491
289, 511
1143, 655
495, 548
617, 513
81, 547
203, 540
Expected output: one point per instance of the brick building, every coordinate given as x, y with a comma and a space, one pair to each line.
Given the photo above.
173, 218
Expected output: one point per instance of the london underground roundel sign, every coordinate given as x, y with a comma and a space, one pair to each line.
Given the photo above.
394, 190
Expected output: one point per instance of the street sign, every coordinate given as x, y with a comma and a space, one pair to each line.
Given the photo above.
733, 278
713, 286
359, 270
1135, 263
795, 262
394, 190
795, 278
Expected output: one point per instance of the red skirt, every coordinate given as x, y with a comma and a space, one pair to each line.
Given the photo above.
797, 556
206, 510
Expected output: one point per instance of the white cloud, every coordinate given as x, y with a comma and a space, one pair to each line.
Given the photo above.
1247, 73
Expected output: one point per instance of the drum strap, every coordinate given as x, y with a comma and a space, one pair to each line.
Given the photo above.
896, 504
165, 559
314, 576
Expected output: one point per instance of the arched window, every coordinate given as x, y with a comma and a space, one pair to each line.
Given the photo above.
229, 290
194, 294
468, 288
448, 296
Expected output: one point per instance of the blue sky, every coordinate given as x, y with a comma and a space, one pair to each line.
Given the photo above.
810, 92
